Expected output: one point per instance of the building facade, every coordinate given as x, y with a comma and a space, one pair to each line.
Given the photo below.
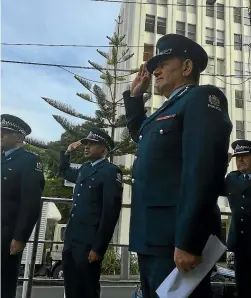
223, 30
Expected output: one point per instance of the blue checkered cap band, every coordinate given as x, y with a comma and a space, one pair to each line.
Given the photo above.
12, 126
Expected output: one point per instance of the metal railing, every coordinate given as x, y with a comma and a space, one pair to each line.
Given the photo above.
125, 256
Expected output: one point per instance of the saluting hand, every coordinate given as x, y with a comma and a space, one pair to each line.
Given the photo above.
74, 146
141, 82
93, 256
16, 247
185, 261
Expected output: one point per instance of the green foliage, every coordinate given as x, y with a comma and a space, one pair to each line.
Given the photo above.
108, 103
134, 267
111, 263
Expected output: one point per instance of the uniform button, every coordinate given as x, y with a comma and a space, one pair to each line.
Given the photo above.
242, 232
242, 208
243, 197
72, 215
78, 194
133, 180
81, 184
140, 137
161, 131
242, 219
75, 205
5, 178
135, 157
90, 186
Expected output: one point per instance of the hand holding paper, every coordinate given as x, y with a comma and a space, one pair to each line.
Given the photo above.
181, 285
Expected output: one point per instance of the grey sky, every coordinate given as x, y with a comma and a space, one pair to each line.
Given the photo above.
66, 22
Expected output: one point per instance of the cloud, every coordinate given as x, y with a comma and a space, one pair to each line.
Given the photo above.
68, 22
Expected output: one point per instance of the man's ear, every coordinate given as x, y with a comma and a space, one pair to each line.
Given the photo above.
188, 67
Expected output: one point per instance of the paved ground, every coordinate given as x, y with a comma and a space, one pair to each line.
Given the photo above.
58, 292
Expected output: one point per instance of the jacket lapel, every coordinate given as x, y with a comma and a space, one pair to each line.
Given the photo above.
167, 104
88, 170
243, 184
12, 156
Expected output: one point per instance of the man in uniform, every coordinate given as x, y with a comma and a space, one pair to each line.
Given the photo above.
180, 163
96, 207
238, 191
22, 187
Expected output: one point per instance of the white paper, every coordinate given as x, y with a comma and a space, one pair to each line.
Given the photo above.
181, 285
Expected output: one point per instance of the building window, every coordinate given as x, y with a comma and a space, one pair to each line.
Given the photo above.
209, 36
238, 67
150, 23
220, 11
161, 26
192, 7
181, 5
148, 52
238, 42
210, 10
247, 40
191, 32
210, 66
246, 17
220, 66
180, 28
240, 130
248, 130
220, 38
239, 102
237, 15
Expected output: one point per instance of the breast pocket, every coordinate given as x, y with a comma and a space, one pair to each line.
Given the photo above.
164, 139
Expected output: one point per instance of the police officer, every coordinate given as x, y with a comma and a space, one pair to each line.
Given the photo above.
238, 187
180, 163
22, 187
96, 207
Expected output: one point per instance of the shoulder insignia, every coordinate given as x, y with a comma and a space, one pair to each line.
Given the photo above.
214, 102
119, 178
39, 166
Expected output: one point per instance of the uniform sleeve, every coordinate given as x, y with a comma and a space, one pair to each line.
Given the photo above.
65, 170
112, 202
205, 143
32, 186
135, 114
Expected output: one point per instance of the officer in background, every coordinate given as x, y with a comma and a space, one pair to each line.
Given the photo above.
97, 201
238, 191
180, 163
22, 187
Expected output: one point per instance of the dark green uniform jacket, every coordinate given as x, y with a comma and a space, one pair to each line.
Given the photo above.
97, 201
22, 187
179, 170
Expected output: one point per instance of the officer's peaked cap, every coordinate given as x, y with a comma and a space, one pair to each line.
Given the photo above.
99, 136
241, 147
15, 124
175, 45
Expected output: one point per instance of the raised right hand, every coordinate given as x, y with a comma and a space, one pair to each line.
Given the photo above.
141, 82
74, 146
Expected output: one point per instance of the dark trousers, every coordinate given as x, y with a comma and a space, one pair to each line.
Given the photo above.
9, 273
243, 273
81, 279
154, 270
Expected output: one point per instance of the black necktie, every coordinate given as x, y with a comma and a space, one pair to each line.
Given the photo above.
246, 177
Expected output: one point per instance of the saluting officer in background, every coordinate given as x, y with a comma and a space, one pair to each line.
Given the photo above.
22, 187
97, 201
180, 163
238, 191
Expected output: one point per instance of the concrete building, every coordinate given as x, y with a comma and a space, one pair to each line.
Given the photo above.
223, 30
